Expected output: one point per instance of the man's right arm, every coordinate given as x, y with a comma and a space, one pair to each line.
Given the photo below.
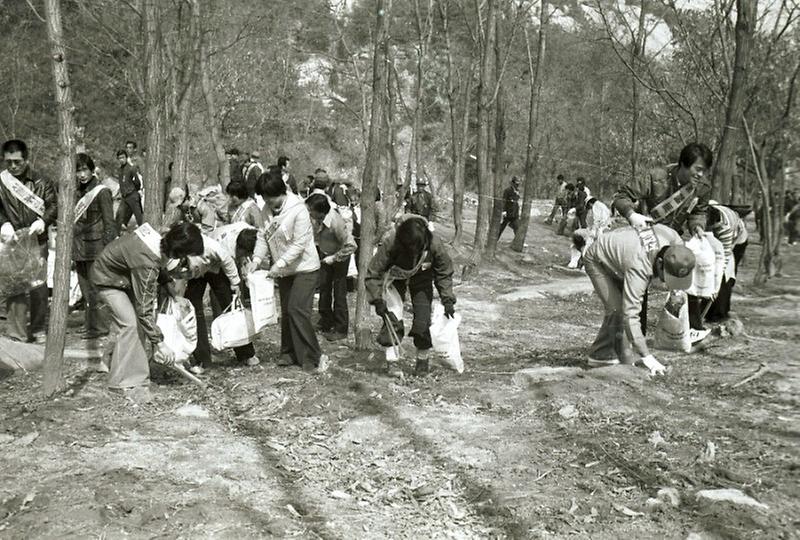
626, 199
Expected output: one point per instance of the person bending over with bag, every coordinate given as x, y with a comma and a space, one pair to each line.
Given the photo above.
95, 228
288, 237
620, 265
412, 259
127, 274
335, 245
215, 267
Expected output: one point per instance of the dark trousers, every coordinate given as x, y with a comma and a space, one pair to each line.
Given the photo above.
508, 221
333, 297
562, 225
93, 322
721, 307
33, 303
581, 217
130, 205
298, 339
421, 300
221, 290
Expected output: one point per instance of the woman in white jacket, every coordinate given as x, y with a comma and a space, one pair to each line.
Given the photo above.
288, 237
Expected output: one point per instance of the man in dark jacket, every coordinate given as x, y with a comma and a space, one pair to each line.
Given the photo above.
27, 200
510, 207
235, 165
580, 201
421, 201
130, 190
95, 228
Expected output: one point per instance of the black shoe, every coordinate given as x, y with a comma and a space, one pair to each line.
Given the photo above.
285, 360
335, 336
422, 367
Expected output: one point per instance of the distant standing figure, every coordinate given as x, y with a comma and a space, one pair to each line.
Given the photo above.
559, 199
510, 207
130, 190
421, 201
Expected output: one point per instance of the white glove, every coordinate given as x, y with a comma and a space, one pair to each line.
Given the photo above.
164, 355
37, 227
7, 233
655, 367
639, 221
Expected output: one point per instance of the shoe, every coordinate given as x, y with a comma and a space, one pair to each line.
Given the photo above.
594, 362
284, 360
252, 361
335, 336
89, 336
698, 335
393, 370
322, 328
137, 394
422, 367
321, 367
197, 370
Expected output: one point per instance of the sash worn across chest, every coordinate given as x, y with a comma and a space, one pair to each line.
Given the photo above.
23, 193
682, 199
150, 237
86, 201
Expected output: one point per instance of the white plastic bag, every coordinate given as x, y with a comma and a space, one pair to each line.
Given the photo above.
394, 302
704, 273
234, 328
75, 293
719, 260
352, 269
262, 299
178, 323
672, 333
444, 335
22, 266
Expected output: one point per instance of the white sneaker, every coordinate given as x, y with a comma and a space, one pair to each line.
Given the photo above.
698, 335
197, 370
324, 364
600, 363
252, 361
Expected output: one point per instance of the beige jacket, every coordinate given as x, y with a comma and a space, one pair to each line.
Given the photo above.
289, 236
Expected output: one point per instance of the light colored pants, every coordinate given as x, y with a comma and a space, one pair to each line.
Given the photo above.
129, 366
612, 341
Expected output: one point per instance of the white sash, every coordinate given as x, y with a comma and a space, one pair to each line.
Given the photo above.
23, 193
86, 200
239, 213
150, 237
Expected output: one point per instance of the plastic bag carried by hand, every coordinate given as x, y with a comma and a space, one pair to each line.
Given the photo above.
22, 266
234, 328
178, 323
444, 335
262, 299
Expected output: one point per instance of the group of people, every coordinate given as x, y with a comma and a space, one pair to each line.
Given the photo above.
303, 236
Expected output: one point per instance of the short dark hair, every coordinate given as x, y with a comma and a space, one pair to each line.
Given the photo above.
122, 153
182, 239
570, 186
581, 181
694, 151
234, 151
412, 237
132, 143
318, 203
320, 170
237, 189
282, 161
16, 145
246, 241
560, 177
271, 184
83, 160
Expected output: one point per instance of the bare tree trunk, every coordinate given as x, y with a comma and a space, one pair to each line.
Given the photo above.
180, 168
155, 99
485, 91
725, 164
369, 182
532, 155
59, 310
223, 173
637, 51
498, 169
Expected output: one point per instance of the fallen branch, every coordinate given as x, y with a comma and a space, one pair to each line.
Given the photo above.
762, 369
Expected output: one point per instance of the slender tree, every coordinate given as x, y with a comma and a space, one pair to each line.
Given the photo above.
154, 103
59, 311
533, 153
372, 167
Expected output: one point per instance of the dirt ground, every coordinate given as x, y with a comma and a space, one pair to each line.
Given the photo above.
274, 452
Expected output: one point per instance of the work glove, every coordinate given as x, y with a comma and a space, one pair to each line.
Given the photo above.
380, 308
639, 221
164, 355
655, 367
329, 260
7, 233
37, 227
449, 311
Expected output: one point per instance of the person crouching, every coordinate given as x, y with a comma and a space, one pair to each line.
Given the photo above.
620, 265
335, 245
127, 274
413, 260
